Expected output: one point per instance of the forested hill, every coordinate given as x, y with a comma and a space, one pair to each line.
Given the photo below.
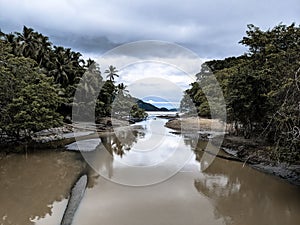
149, 107
38, 81
261, 88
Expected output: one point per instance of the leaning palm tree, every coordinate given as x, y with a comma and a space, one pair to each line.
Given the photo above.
111, 73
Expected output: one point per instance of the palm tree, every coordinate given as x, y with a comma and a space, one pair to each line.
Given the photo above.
64, 66
90, 64
11, 38
122, 89
61, 67
27, 41
44, 48
111, 73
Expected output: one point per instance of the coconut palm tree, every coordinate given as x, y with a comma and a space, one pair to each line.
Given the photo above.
111, 73
11, 38
61, 67
122, 89
27, 42
43, 48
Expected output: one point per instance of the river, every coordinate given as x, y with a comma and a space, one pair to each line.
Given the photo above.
148, 175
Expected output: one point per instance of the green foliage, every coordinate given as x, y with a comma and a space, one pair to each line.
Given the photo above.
246, 95
64, 65
25, 108
106, 98
137, 113
87, 93
25, 58
261, 88
204, 96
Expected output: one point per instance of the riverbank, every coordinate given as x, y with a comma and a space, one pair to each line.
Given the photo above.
191, 124
57, 138
254, 152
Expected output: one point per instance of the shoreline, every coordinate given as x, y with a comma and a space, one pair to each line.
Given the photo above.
248, 151
58, 137
253, 152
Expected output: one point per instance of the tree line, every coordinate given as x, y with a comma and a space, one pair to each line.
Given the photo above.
261, 88
38, 81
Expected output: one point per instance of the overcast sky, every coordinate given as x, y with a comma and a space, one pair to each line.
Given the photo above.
210, 28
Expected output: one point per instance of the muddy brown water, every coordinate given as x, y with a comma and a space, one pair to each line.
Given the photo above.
34, 188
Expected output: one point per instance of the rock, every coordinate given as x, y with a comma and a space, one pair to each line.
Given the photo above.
75, 198
84, 145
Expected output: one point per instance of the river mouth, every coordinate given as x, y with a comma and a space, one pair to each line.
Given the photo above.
135, 180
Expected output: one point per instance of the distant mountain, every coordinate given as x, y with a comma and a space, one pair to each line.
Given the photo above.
150, 107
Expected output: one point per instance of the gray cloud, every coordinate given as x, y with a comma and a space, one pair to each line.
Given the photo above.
87, 43
210, 28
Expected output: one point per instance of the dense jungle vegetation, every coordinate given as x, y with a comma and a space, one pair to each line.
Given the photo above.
261, 88
38, 81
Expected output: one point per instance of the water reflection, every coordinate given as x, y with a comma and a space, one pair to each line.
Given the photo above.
31, 184
112, 145
139, 155
238, 194
242, 195
35, 188
122, 140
